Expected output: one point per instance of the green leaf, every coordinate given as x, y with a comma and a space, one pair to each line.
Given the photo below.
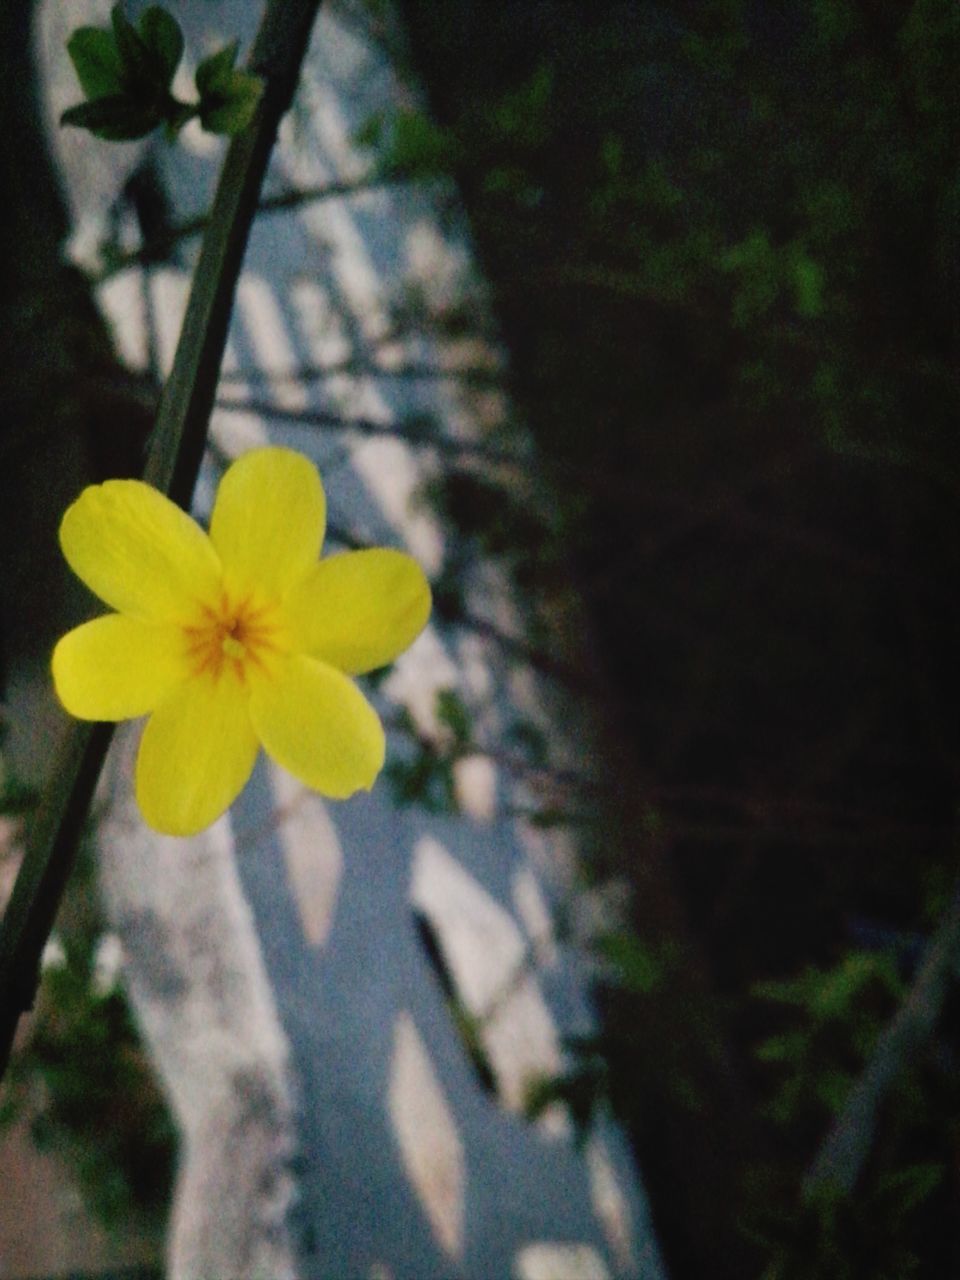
637, 968
425, 780
909, 1187
420, 146
842, 985
832, 1087
163, 38
116, 118
452, 713
789, 1047
143, 72
232, 110
808, 280
96, 60
213, 73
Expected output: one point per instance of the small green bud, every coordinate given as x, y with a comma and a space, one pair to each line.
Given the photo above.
214, 72
228, 97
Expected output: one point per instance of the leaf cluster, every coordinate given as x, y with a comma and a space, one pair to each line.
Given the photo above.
839, 1013
879, 1235
127, 74
835, 1015
423, 774
83, 1082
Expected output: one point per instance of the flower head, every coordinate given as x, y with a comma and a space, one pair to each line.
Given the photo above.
234, 640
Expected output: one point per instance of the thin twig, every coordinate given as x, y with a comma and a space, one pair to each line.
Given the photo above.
412, 435
473, 375
158, 248
544, 663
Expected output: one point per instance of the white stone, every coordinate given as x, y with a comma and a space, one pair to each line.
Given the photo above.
427, 1135
548, 1261
312, 854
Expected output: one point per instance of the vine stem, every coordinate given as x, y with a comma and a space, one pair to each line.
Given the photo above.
173, 459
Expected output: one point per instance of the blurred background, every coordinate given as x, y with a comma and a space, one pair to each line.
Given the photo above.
715, 246
722, 240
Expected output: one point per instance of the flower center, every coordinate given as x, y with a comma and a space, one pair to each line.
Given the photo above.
233, 637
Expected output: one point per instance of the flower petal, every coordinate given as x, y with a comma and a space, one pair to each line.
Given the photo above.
115, 668
268, 520
138, 551
196, 754
317, 724
359, 610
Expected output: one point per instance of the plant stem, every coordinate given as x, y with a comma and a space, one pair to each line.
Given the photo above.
173, 460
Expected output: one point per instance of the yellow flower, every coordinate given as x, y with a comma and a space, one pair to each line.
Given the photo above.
232, 640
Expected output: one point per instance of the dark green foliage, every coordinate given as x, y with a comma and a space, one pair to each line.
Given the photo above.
880, 1236
634, 966
424, 780
422, 772
84, 1082
454, 716
15, 797
214, 72
97, 62
832, 1018
228, 96
95, 1100
842, 1012
116, 118
581, 1089
127, 73
163, 41
144, 64
409, 143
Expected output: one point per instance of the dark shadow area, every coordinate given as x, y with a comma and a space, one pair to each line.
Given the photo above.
723, 246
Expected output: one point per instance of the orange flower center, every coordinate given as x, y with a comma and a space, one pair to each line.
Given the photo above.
233, 637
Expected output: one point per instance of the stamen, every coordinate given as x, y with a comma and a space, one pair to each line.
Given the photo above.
239, 632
